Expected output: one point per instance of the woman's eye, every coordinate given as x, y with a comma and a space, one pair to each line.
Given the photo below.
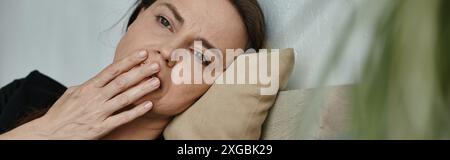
200, 56
164, 22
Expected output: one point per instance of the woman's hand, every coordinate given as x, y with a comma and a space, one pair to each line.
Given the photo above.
90, 111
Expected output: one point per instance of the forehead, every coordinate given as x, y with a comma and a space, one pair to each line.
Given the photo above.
215, 20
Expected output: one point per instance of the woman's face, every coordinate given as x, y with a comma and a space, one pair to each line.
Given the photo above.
168, 25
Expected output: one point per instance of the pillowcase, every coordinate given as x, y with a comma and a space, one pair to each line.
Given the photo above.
230, 111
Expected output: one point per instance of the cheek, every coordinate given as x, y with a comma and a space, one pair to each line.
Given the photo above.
140, 35
179, 98
186, 94
126, 46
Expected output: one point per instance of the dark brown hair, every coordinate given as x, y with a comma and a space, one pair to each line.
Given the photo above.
250, 11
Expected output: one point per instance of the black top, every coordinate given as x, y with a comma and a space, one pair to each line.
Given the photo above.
23, 96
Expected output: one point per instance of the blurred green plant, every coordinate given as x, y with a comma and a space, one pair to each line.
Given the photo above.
404, 90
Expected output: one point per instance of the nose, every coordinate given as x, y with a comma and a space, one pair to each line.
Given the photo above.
166, 50
166, 54
167, 47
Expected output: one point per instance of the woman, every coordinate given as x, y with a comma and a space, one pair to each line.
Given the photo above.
134, 98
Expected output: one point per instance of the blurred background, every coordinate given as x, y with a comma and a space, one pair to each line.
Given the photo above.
69, 40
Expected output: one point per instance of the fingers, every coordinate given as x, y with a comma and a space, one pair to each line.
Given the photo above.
115, 69
129, 79
127, 116
132, 95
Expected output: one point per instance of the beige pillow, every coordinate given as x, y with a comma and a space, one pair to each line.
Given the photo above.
227, 112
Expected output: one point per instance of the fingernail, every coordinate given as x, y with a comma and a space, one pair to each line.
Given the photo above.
154, 66
148, 105
154, 82
142, 54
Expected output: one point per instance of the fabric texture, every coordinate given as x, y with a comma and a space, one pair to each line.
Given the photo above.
296, 115
24, 96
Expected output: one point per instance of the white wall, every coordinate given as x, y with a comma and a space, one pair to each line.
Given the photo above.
69, 40
66, 39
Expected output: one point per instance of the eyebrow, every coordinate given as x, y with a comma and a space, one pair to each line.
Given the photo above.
175, 12
180, 19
